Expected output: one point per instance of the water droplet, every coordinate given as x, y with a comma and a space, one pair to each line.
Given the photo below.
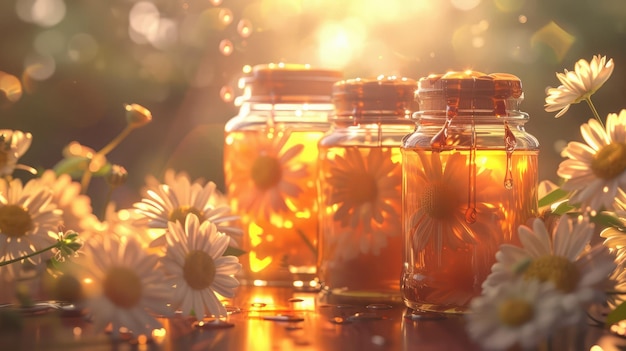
232, 309
508, 183
378, 340
295, 300
244, 28
415, 315
226, 47
364, 316
339, 320
509, 146
258, 304
379, 306
213, 323
284, 318
470, 215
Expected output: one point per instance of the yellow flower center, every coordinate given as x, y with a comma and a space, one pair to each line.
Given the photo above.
515, 312
556, 269
199, 270
15, 221
610, 161
438, 201
122, 286
266, 172
179, 214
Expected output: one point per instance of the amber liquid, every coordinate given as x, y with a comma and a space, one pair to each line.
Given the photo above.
448, 254
270, 180
360, 254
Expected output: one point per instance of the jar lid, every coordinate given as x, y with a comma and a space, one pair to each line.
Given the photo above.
470, 90
383, 95
283, 82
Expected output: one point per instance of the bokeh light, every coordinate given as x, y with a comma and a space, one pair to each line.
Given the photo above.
340, 42
554, 37
226, 16
82, 47
39, 67
45, 13
465, 5
50, 42
226, 47
244, 28
509, 5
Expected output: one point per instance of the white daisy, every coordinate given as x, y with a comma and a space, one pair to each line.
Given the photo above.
520, 312
562, 258
265, 173
123, 285
578, 85
77, 211
13, 144
596, 170
28, 222
364, 191
177, 197
440, 218
195, 262
122, 223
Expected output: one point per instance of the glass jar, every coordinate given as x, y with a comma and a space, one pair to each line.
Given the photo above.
360, 180
469, 180
270, 157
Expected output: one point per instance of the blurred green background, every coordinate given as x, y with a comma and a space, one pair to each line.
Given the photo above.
78, 62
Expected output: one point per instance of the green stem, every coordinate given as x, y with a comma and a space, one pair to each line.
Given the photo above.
4, 263
107, 199
594, 111
84, 183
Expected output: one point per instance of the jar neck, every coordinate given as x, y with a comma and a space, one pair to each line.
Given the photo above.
440, 117
358, 117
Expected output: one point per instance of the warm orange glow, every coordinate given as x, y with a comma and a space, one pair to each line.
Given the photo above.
449, 251
279, 228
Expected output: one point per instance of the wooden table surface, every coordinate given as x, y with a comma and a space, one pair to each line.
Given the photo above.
315, 326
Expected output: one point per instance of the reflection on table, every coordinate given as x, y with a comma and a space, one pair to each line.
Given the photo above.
271, 318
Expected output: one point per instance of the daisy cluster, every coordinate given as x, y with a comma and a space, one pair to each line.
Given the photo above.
563, 267
172, 253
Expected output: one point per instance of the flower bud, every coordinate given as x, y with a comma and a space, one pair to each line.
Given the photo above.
117, 176
137, 115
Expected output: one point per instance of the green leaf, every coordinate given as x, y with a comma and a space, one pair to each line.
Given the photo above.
608, 220
233, 251
75, 166
618, 314
552, 197
563, 208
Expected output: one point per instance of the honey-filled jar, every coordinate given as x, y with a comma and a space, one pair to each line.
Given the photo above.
270, 166
469, 180
360, 181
